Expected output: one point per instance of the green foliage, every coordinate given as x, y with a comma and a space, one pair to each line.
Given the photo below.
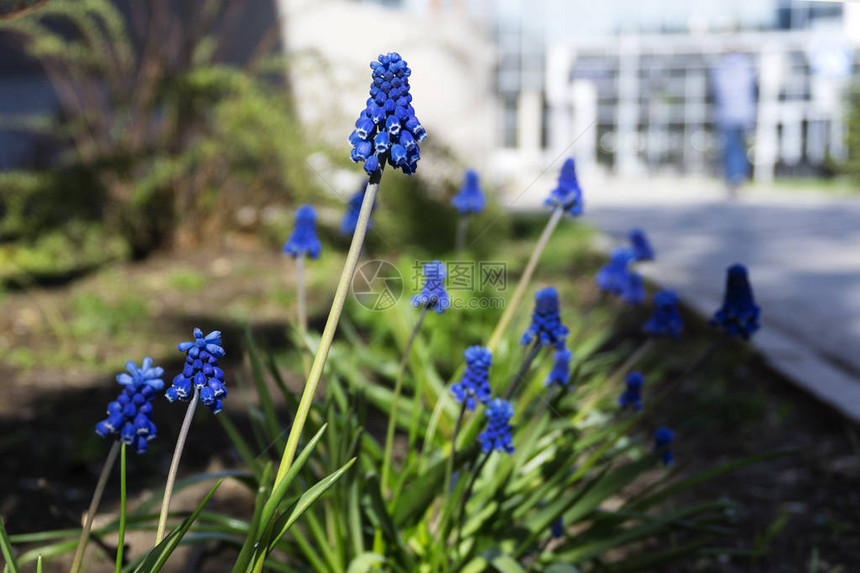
162, 144
852, 164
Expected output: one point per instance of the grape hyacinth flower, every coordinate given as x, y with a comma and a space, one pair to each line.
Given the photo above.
568, 193
497, 436
546, 326
470, 199
303, 240
633, 289
615, 274
201, 371
474, 387
632, 396
560, 373
557, 527
739, 315
642, 249
130, 415
662, 439
433, 294
387, 130
666, 319
350, 217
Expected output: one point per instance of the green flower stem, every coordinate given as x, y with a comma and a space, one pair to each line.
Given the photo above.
467, 495
302, 312
534, 350
77, 562
301, 307
398, 388
329, 330
449, 468
525, 279
462, 229
122, 500
616, 375
174, 465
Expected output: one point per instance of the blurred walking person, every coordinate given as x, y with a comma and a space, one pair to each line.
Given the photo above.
734, 88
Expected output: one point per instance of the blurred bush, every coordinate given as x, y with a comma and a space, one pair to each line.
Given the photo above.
852, 164
160, 142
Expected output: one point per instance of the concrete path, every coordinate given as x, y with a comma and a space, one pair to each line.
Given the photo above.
802, 251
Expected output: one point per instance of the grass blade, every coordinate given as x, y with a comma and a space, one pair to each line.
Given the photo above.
6, 548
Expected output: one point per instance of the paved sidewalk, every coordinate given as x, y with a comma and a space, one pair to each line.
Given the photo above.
802, 251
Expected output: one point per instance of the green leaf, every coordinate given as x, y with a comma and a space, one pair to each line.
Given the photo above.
506, 564
365, 562
6, 548
157, 556
281, 489
678, 487
307, 499
271, 418
247, 551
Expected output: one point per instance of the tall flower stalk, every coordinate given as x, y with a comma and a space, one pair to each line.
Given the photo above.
565, 198
303, 242
201, 380
387, 131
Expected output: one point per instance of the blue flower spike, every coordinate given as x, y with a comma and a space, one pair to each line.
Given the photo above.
303, 240
471, 198
560, 373
546, 324
497, 436
557, 527
353, 209
666, 319
433, 294
632, 396
567, 194
201, 372
662, 440
739, 315
474, 387
633, 289
130, 415
614, 276
387, 130
642, 249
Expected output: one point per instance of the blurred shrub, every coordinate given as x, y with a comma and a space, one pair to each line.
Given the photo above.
852, 164
158, 140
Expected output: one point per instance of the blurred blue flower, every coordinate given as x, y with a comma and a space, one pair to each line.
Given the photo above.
201, 372
633, 289
353, 209
546, 323
475, 385
739, 315
470, 199
567, 194
387, 129
642, 250
130, 415
632, 396
560, 373
303, 240
433, 294
662, 439
497, 436
557, 527
614, 275
666, 320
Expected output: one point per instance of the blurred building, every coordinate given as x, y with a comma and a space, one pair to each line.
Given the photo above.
625, 85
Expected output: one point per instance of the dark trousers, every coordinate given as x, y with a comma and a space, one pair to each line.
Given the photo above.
735, 164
